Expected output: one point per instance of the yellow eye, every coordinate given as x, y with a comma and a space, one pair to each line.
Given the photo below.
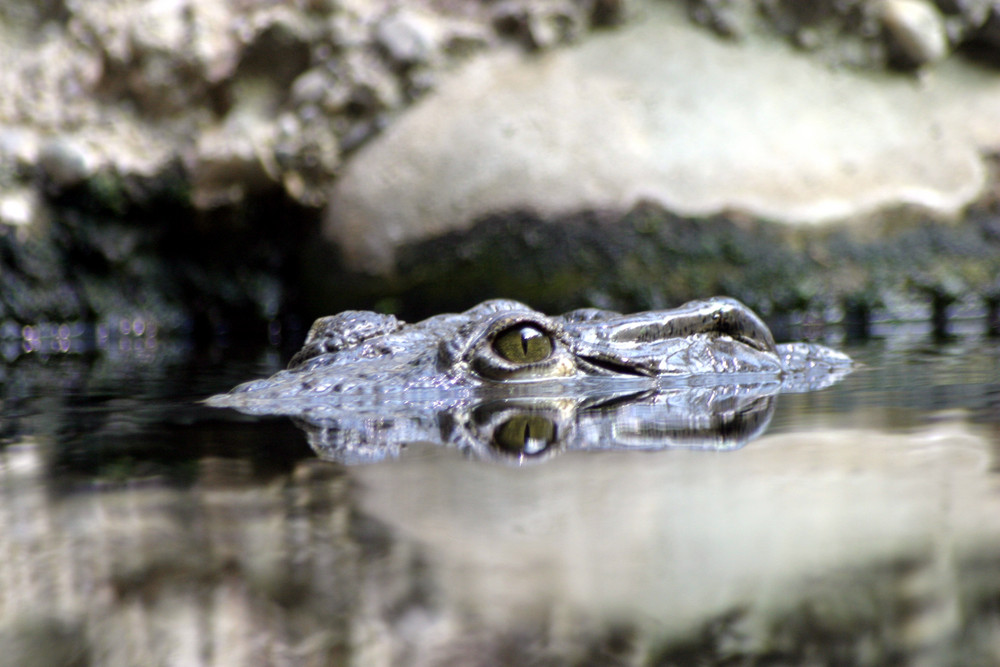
523, 345
525, 434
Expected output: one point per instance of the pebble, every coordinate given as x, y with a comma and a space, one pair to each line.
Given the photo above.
65, 162
18, 208
311, 87
406, 37
916, 30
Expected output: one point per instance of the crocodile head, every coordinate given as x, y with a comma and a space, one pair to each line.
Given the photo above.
505, 346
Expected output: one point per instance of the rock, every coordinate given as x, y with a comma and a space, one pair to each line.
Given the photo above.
725, 17
915, 30
868, 34
65, 162
19, 208
139, 81
350, 23
245, 110
19, 148
407, 36
164, 54
143, 85
839, 33
540, 25
229, 163
307, 155
312, 86
374, 86
664, 112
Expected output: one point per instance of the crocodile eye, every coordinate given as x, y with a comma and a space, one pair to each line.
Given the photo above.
525, 434
523, 345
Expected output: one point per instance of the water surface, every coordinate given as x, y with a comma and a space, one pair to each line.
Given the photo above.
861, 525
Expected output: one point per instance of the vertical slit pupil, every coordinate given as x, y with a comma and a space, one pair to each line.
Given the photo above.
528, 334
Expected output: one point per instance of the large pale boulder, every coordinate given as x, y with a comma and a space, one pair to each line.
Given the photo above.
663, 111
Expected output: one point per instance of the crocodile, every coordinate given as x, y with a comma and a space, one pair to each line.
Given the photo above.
360, 360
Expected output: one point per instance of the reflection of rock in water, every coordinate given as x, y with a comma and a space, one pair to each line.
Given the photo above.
845, 547
837, 547
229, 572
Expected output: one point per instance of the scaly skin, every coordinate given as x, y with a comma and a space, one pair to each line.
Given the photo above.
504, 348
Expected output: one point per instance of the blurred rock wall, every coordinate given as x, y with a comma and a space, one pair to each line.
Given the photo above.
170, 159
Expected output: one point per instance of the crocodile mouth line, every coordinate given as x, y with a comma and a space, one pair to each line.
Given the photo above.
616, 367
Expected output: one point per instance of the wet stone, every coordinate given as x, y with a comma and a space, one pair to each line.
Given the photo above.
915, 30
407, 37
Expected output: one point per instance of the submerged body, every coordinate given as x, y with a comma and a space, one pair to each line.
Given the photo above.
503, 346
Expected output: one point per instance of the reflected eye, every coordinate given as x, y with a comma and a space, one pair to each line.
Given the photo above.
525, 434
523, 345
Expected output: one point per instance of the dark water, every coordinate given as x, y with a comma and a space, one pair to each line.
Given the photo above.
861, 526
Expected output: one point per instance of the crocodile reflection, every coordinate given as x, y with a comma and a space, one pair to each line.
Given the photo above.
364, 380
524, 430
